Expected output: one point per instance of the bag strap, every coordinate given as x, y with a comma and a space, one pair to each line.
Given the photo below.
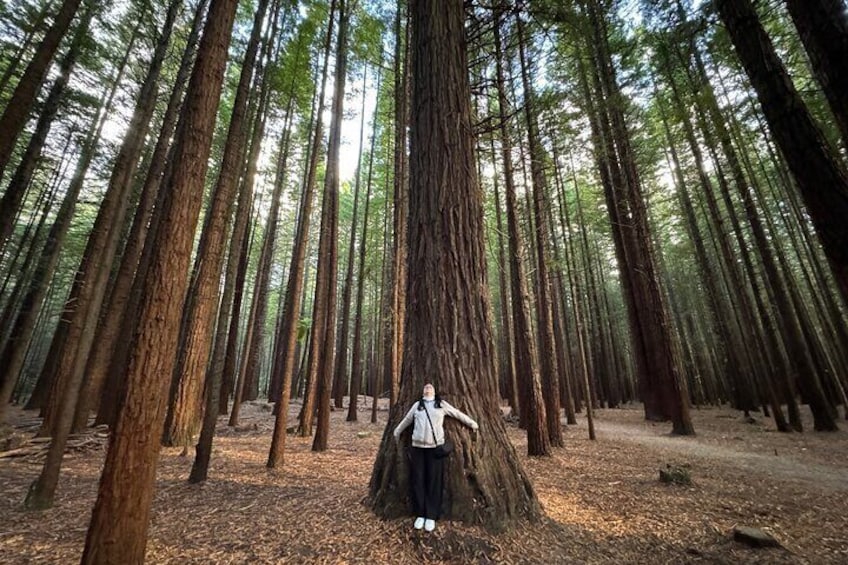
432, 429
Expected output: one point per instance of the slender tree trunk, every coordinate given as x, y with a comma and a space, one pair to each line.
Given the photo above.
202, 301
15, 115
570, 265
232, 369
22, 331
267, 248
80, 314
545, 330
664, 391
326, 288
507, 358
284, 362
396, 305
118, 529
113, 327
24, 269
47, 265
93, 273
12, 198
35, 29
532, 404
340, 378
356, 362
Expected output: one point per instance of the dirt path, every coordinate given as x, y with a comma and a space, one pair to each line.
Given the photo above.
771, 466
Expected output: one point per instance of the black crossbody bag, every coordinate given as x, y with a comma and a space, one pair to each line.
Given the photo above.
440, 451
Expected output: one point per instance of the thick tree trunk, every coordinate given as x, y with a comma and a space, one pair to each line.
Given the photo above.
448, 330
118, 529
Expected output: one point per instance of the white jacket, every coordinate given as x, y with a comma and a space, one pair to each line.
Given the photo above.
422, 433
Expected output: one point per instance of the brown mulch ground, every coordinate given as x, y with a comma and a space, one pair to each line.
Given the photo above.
603, 500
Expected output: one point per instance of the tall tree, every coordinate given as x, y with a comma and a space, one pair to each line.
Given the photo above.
183, 418
15, 115
326, 288
820, 176
395, 306
92, 275
541, 235
532, 404
356, 361
118, 529
112, 327
340, 370
448, 328
823, 27
47, 481
286, 352
11, 201
662, 389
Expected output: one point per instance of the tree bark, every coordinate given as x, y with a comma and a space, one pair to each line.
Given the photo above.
202, 301
118, 529
448, 331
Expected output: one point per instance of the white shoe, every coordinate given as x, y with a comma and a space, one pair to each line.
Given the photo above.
429, 525
419, 523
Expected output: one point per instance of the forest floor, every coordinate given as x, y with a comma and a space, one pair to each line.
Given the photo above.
602, 499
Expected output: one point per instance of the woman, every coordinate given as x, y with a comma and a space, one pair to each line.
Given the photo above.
428, 433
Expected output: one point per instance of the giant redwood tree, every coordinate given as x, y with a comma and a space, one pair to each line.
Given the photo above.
448, 333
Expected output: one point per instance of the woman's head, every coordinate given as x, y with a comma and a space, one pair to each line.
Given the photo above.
429, 391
